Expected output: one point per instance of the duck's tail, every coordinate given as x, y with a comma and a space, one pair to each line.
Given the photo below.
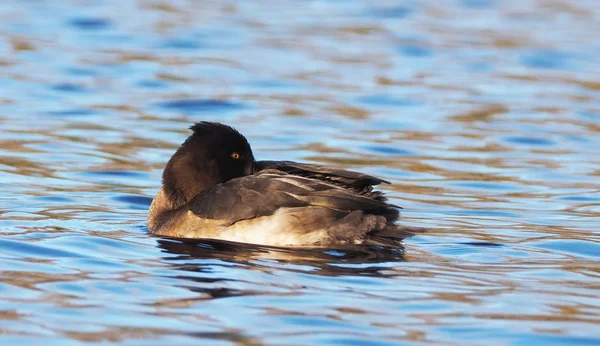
391, 235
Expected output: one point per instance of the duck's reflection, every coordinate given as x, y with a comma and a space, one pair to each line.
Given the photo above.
356, 260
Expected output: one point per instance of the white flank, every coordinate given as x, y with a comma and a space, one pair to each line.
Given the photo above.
279, 229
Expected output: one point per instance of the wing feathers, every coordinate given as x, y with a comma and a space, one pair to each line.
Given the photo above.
353, 180
271, 189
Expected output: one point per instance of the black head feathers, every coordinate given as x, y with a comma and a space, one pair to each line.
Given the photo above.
209, 128
213, 154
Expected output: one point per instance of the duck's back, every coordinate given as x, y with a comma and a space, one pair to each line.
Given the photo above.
286, 203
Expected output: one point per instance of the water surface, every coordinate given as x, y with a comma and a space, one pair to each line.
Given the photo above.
484, 115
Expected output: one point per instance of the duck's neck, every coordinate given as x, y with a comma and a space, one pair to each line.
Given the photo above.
184, 177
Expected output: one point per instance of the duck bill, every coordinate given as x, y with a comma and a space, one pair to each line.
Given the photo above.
250, 168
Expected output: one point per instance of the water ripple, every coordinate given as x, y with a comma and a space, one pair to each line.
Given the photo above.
194, 106
482, 114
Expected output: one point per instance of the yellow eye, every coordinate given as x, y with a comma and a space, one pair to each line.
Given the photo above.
235, 156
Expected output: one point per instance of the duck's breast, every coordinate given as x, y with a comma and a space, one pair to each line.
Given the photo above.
286, 227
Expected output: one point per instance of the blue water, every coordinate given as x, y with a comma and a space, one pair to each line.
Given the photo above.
482, 114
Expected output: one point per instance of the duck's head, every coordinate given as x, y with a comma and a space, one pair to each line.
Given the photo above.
213, 154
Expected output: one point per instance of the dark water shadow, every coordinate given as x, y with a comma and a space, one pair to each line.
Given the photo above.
340, 260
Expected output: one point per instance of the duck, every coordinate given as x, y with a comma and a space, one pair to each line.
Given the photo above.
213, 188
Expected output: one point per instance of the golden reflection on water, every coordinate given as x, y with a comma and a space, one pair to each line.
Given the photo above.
484, 115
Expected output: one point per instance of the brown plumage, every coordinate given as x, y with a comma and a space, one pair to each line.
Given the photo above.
213, 188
